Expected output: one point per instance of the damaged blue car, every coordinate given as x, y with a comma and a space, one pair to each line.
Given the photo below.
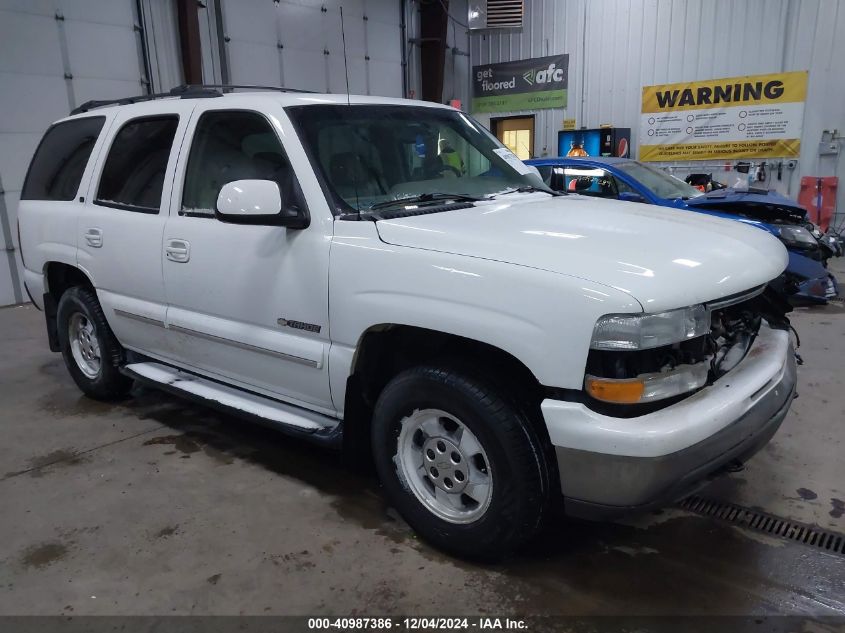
806, 280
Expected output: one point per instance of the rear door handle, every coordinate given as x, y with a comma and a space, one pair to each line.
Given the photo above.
178, 251
94, 237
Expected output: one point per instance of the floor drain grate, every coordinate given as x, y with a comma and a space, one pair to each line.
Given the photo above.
767, 523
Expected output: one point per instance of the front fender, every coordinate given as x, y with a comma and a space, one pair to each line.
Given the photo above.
543, 319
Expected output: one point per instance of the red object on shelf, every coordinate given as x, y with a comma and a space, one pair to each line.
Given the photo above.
818, 195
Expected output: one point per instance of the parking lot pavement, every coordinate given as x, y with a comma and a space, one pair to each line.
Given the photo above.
158, 506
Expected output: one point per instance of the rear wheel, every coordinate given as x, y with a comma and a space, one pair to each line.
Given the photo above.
89, 348
461, 464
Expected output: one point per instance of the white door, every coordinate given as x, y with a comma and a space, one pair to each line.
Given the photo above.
246, 303
119, 231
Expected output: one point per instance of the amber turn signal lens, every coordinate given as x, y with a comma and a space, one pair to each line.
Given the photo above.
616, 391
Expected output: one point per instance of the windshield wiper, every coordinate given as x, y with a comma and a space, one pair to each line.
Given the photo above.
424, 197
529, 189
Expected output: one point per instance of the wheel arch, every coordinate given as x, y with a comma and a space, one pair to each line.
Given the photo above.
58, 278
386, 349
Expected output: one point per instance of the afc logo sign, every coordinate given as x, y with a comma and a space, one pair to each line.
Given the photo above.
552, 74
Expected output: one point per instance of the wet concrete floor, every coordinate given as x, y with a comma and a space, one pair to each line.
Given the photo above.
158, 506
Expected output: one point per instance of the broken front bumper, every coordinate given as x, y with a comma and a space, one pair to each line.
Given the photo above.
610, 465
816, 291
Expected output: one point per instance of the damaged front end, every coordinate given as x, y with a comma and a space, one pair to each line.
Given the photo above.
639, 379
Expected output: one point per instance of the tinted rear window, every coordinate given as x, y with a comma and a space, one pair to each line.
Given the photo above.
133, 176
57, 167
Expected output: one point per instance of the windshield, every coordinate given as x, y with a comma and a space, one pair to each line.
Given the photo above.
657, 181
368, 155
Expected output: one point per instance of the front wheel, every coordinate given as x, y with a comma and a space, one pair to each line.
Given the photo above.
89, 347
462, 465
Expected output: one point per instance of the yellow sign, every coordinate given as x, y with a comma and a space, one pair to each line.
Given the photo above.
755, 116
569, 124
726, 150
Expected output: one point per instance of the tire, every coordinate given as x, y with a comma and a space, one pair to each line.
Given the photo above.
416, 413
93, 360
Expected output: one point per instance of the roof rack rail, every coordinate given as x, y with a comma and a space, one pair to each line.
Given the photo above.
185, 91
230, 87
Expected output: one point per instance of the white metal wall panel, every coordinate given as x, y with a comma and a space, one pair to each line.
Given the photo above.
54, 54
212, 68
161, 35
617, 47
299, 44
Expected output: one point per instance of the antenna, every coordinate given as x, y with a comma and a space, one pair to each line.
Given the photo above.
345, 65
349, 103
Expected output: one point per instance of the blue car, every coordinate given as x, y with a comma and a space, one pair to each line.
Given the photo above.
806, 280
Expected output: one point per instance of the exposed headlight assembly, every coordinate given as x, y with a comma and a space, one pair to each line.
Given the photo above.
796, 236
648, 387
647, 331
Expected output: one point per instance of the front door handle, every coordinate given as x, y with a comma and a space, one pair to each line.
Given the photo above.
94, 237
178, 251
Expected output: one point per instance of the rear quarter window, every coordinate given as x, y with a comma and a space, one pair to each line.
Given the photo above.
59, 162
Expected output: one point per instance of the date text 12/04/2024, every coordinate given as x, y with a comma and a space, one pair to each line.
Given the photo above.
416, 623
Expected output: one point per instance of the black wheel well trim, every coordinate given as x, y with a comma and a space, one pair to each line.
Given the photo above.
386, 349
58, 278
421, 344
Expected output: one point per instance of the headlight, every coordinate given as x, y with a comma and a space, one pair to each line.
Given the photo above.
646, 331
648, 387
796, 236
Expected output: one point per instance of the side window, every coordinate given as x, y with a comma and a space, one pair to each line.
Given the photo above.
133, 176
558, 179
545, 173
234, 145
590, 182
622, 187
56, 169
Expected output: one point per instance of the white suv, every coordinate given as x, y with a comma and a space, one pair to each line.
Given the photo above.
384, 276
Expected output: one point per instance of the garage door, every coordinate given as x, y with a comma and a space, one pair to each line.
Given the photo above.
48, 66
300, 44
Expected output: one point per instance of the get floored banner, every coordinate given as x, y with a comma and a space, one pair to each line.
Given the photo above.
756, 116
527, 84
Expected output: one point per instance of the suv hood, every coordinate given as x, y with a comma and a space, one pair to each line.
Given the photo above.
663, 258
755, 204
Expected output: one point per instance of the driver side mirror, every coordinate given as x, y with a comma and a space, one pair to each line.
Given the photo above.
256, 202
631, 196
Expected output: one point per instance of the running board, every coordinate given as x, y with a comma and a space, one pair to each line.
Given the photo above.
285, 417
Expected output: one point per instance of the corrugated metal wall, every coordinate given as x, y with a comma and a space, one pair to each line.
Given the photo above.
618, 46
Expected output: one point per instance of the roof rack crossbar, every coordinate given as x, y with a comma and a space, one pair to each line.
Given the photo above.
185, 91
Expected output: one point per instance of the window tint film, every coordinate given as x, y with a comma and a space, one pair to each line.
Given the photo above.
57, 167
229, 146
133, 176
